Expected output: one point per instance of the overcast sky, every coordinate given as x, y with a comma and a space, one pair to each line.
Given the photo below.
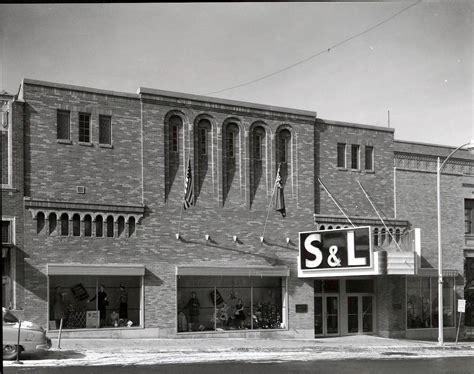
418, 65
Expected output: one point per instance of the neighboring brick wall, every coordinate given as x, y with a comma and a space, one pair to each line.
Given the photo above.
391, 306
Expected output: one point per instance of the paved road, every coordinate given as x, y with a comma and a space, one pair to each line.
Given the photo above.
451, 365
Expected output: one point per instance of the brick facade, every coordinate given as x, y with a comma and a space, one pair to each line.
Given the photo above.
140, 175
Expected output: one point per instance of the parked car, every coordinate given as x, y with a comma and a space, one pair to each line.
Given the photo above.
32, 336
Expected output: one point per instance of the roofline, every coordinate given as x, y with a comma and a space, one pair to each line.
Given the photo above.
216, 100
450, 147
355, 125
78, 88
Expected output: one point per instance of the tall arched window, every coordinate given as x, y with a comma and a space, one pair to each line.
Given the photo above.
172, 159
40, 222
76, 225
131, 226
64, 224
203, 152
283, 153
110, 227
257, 159
87, 225
231, 149
99, 226
376, 236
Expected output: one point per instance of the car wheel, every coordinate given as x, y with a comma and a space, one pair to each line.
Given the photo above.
10, 351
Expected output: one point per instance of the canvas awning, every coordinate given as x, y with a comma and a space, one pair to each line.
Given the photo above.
261, 271
95, 269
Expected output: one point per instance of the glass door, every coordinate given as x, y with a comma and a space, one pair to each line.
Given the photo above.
360, 315
332, 315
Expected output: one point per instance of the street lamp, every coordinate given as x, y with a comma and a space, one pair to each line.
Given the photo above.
440, 251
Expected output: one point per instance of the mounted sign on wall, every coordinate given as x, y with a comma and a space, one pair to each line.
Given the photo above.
339, 252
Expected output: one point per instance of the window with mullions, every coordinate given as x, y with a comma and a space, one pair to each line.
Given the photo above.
341, 155
422, 302
469, 216
230, 144
355, 156
369, 158
84, 127
224, 303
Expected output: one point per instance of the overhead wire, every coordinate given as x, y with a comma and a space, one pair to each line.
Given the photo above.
327, 50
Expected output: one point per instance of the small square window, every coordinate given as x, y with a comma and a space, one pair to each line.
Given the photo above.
105, 130
355, 156
341, 155
84, 127
369, 158
63, 125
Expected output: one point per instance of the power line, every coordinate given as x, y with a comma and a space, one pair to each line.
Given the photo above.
318, 53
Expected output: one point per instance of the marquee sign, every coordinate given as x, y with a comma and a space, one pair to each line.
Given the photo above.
340, 252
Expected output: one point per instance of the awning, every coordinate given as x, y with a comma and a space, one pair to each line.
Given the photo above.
251, 271
95, 269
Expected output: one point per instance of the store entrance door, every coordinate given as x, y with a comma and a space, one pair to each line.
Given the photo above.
360, 314
326, 315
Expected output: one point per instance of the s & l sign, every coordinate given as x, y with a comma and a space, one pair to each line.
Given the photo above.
339, 252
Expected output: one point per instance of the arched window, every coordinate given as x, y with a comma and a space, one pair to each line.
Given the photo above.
120, 226
53, 223
257, 160
87, 225
231, 160
376, 236
397, 235
322, 227
173, 149
64, 224
40, 222
131, 226
283, 146
110, 227
390, 236
175, 123
99, 226
383, 236
203, 154
76, 225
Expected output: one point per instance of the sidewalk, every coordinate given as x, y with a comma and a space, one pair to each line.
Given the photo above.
85, 352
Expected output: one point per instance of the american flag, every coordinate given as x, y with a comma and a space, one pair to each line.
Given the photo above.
188, 200
280, 198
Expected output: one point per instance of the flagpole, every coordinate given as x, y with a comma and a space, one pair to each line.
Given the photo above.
271, 200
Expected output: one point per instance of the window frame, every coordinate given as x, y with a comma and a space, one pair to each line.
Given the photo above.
230, 144
369, 161
258, 146
469, 216
6, 128
109, 123
82, 130
341, 155
174, 138
202, 141
355, 156
66, 124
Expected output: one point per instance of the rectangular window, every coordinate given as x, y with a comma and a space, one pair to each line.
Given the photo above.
258, 147
422, 302
105, 130
174, 138
469, 216
355, 156
202, 141
230, 144
369, 158
84, 127
223, 303
6, 232
341, 155
63, 130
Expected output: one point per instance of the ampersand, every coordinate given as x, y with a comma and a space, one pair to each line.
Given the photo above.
333, 260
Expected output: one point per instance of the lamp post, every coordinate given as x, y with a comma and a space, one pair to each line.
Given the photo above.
440, 250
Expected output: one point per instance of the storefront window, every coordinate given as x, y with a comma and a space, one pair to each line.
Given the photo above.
224, 303
422, 302
85, 301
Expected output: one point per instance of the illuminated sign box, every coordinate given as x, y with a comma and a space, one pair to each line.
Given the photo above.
340, 252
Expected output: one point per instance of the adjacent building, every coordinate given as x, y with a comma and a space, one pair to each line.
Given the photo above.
94, 230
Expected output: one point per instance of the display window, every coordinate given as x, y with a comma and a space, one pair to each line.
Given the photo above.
223, 303
422, 302
85, 301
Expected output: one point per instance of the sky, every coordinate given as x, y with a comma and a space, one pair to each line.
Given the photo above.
418, 65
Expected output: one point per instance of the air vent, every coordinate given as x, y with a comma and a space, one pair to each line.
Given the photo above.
80, 189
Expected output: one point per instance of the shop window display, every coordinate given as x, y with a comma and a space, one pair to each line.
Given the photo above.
226, 303
94, 301
422, 302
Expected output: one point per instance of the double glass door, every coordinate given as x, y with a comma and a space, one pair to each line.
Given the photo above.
359, 314
326, 315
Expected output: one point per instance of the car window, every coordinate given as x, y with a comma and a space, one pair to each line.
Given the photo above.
9, 317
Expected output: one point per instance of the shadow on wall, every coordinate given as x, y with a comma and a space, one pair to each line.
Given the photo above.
151, 279
255, 179
202, 168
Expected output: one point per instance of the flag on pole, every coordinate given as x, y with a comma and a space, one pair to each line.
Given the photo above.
280, 198
188, 200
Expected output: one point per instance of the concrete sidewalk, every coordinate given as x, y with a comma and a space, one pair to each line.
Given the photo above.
85, 352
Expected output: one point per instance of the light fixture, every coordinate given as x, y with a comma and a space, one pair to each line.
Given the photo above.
208, 237
178, 237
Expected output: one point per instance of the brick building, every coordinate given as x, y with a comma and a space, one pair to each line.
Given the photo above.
97, 194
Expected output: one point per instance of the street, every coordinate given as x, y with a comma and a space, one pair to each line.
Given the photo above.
451, 365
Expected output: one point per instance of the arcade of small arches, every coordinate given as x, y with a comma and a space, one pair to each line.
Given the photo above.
87, 224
